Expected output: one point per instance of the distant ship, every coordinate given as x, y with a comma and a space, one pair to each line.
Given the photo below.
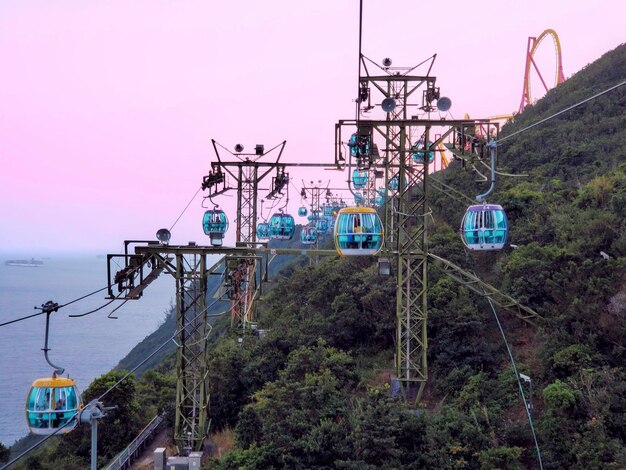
25, 263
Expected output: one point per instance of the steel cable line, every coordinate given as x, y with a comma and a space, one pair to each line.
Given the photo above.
519, 383
562, 111
186, 207
171, 338
60, 306
22, 318
515, 371
95, 309
34, 446
133, 271
115, 310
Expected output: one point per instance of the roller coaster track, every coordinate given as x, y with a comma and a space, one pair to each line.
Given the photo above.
533, 44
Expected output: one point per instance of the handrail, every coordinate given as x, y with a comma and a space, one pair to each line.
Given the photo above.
128, 454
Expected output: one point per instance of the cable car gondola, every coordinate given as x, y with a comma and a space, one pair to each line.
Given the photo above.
359, 179
263, 231
308, 235
281, 226
302, 211
358, 232
359, 145
52, 405
215, 225
417, 150
321, 224
484, 227
394, 183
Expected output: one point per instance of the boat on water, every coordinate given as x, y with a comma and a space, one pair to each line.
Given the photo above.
25, 263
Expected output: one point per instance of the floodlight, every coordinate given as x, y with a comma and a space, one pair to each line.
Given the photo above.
163, 235
388, 105
444, 104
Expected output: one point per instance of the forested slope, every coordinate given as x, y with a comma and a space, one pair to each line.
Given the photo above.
315, 392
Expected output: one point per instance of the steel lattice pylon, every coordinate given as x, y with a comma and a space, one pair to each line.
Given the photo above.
410, 252
405, 160
192, 397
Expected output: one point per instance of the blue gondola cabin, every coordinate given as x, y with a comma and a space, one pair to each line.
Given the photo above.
484, 227
281, 226
308, 235
215, 225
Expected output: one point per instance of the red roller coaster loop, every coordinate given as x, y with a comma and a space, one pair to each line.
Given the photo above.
533, 44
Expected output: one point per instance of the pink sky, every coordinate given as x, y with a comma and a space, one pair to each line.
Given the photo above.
107, 109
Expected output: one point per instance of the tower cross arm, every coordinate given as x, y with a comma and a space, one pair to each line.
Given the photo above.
487, 290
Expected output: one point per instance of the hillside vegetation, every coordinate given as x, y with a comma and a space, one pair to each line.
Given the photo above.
315, 392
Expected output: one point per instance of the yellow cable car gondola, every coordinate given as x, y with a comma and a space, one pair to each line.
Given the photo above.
52, 405
358, 232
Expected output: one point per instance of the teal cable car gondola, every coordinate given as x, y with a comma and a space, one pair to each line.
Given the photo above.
215, 225
484, 227
321, 224
263, 231
282, 226
308, 235
302, 211
359, 179
417, 150
394, 183
359, 145
358, 232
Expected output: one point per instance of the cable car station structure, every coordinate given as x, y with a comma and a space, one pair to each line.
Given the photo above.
390, 141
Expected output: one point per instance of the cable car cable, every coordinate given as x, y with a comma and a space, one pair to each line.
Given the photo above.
116, 309
562, 111
22, 318
156, 351
503, 174
186, 207
85, 296
34, 446
519, 383
60, 306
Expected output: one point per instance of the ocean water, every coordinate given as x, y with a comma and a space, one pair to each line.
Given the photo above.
86, 347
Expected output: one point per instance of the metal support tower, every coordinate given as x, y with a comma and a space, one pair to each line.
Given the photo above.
407, 102
247, 172
192, 397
